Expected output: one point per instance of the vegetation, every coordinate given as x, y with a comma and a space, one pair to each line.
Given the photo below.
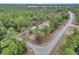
10, 45
12, 19
71, 46
76, 11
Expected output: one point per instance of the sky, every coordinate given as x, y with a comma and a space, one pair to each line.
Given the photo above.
39, 1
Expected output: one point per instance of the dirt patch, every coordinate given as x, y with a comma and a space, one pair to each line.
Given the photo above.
49, 38
52, 35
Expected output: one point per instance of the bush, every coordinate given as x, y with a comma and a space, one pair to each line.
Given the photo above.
68, 51
11, 45
71, 44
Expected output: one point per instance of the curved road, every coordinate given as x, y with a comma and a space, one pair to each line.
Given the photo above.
45, 50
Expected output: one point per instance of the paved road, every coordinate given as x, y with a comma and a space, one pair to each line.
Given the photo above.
45, 50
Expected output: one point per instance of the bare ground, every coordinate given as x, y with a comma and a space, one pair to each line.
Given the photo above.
48, 39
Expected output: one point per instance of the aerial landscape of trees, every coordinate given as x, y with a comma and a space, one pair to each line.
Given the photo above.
13, 19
